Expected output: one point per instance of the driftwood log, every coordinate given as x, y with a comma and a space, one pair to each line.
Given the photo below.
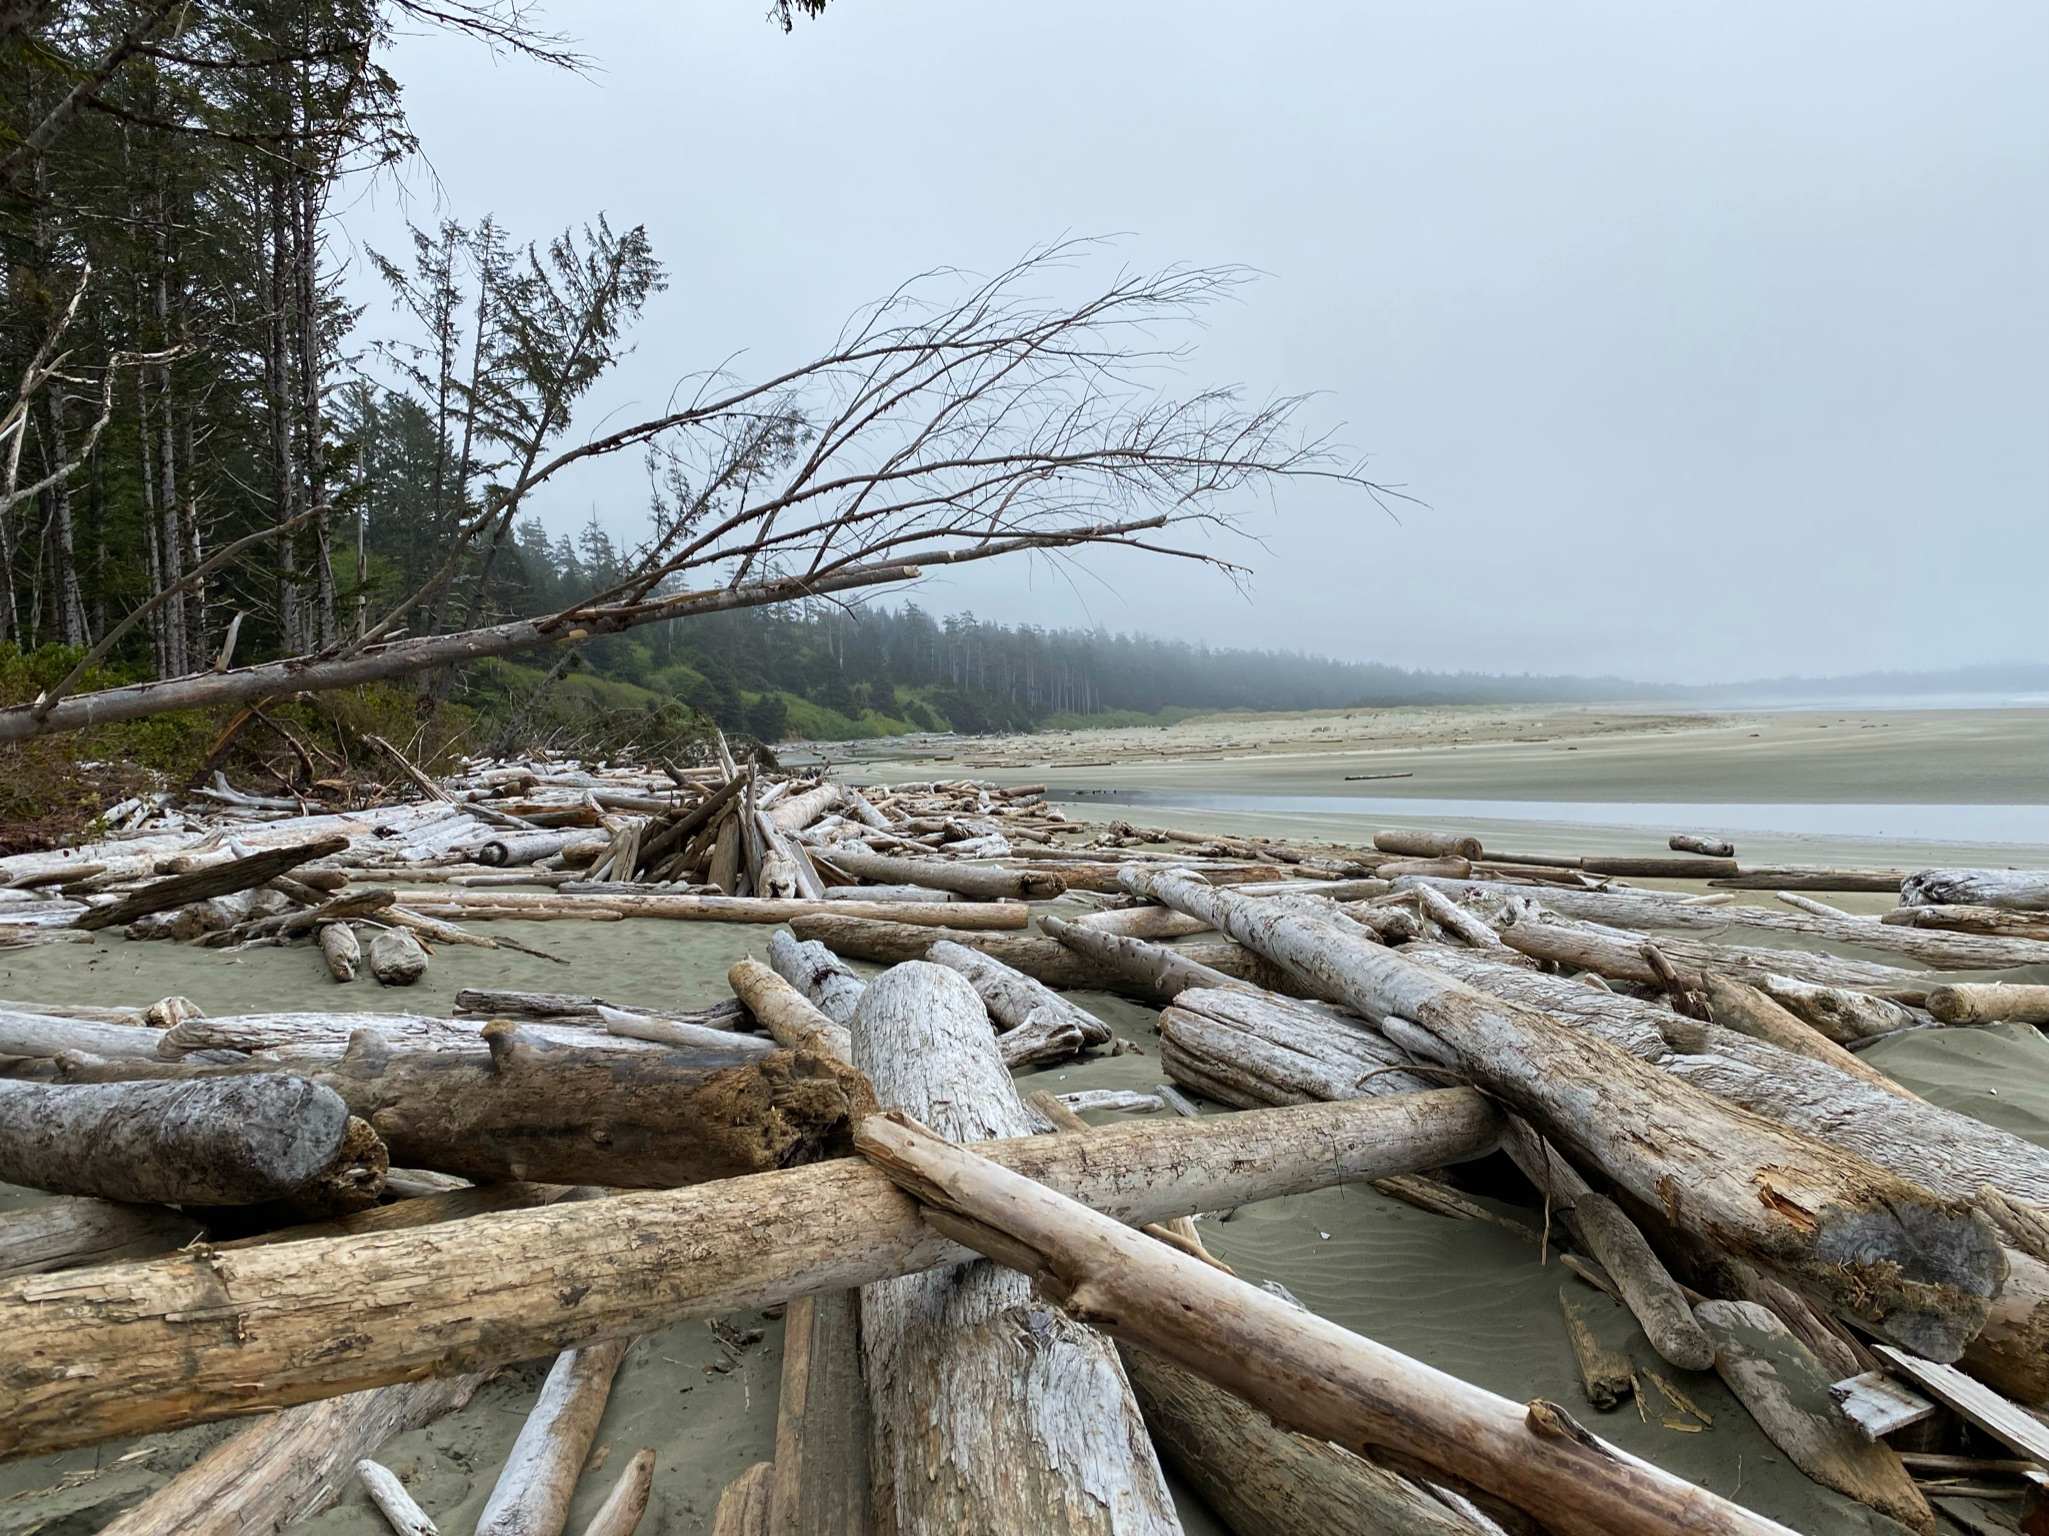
972, 1434
71, 1233
1990, 1001
209, 880
1012, 998
1908, 1263
786, 1013
531, 1496
1306, 1372
980, 882
1154, 971
235, 1140
814, 970
201, 1335
2013, 890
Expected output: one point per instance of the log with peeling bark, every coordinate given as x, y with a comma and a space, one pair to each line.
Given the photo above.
1043, 959
209, 880
1906, 1262
1990, 1002
969, 1434
815, 971
980, 882
217, 1141
531, 1496
2012, 890
289, 1465
1416, 843
1748, 1011
200, 1335
1786, 1390
1013, 998
1153, 970
1308, 1373
1261, 1478
70, 1233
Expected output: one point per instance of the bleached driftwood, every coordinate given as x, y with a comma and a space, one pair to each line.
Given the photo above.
531, 1496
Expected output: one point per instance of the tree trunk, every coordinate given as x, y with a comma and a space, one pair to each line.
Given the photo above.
340, 950
980, 882
1693, 842
1620, 957
1774, 1376
531, 1497
975, 915
788, 1016
288, 1466
1989, 1002
1156, 972
1310, 1374
218, 1141
400, 1510
210, 880
621, 1512
1263, 1480
821, 1485
1911, 1265
200, 1335
72, 1233
1750, 1012
1987, 920
972, 1434
1416, 843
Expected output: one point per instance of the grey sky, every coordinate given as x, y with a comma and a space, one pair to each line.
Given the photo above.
1715, 336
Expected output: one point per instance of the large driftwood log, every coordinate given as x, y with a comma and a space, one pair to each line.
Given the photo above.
1620, 957
981, 882
789, 1017
217, 1141
818, 973
1417, 843
531, 1496
970, 1432
1987, 1002
289, 1465
1012, 998
71, 1233
1042, 959
1908, 1263
42, 1034
203, 1334
1992, 920
1786, 1390
2014, 890
1750, 1012
1267, 1481
1810, 877
1695, 842
210, 880
1841, 1014
976, 915
1154, 971
1307, 1373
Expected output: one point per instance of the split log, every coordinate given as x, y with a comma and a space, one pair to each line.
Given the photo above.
210, 880
400, 1510
340, 950
1990, 1001
621, 1512
816, 972
821, 1483
531, 1496
1012, 998
200, 1335
1156, 972
1143, 923
1750, 1012
72, 1233
1306, 1372
1263, 1480
1693, 842
396, 958
788, 1016
216, 1141
290, 1465
981, 882
1042, 959
1417, 843
1909, 1264
970, 1433
2013, 890
1787, 1392
744, 1507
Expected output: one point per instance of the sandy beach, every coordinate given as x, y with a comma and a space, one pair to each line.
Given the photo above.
1475, 1299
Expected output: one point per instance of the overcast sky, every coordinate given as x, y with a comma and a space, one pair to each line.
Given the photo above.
1714, 336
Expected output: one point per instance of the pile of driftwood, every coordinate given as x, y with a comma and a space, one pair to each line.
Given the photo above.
343, 1221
